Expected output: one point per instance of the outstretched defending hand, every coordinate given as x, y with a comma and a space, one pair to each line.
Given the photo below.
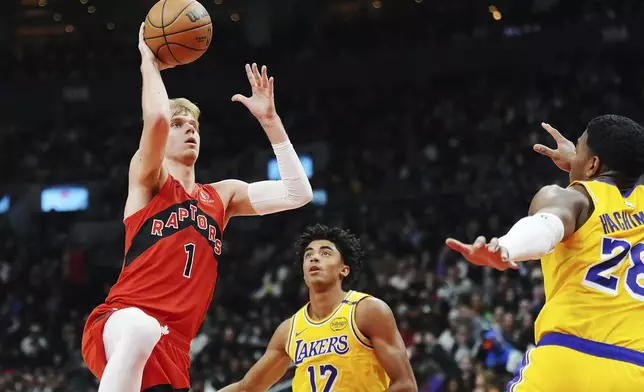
480, 253
565, 152
146, 52
262, 103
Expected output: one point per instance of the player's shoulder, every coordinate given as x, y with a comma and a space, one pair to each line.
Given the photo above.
368, 304
373, 317
283, 331
576, 192
285, 325
556, 190
575, 201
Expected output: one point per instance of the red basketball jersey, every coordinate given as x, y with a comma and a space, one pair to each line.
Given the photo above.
171, 249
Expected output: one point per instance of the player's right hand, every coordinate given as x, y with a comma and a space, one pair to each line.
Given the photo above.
565, 152
146, 52
483, 253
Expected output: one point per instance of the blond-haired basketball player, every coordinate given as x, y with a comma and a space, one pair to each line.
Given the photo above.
139, 338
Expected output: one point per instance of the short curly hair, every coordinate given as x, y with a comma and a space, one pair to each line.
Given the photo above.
346, 242
618, 142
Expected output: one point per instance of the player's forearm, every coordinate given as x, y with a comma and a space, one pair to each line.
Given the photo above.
274, 129
154, 98
292, 191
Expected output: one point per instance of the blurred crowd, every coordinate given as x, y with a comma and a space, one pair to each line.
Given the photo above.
455, 163
409, 165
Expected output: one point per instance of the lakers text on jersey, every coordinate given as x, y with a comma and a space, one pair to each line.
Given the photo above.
332, 355
589, 331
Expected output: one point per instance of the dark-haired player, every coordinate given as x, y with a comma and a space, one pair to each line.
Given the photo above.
139, 339
590, 239
339, 341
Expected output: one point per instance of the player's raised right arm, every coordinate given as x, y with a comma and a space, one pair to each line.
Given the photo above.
145, 167
270, 367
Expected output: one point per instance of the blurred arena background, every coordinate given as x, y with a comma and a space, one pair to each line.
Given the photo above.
415, 119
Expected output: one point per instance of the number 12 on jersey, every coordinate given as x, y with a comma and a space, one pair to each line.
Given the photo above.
328, 372
600, 275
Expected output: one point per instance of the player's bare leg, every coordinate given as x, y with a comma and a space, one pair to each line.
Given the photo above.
129, 338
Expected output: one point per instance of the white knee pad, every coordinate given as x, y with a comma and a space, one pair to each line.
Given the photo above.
132, 328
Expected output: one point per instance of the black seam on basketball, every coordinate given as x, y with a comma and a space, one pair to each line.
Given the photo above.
187, 47
172, 54
179, 13
158, 50
162, 24
182, 31
164, 36
152, 24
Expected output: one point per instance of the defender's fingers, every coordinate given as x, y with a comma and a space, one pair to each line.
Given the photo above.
458, 246
479, 243
543, 150
493, 246
552, 131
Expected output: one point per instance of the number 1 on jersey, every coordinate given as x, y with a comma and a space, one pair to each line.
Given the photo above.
329, 372
190, 256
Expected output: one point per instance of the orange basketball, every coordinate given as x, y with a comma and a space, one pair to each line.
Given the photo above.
178, 31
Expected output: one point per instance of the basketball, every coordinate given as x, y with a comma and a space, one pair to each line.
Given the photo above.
178, 31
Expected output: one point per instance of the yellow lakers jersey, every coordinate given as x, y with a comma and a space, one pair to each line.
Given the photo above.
332, 355
594, 280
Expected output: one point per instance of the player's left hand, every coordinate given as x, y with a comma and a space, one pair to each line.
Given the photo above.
483, 253
262, 103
